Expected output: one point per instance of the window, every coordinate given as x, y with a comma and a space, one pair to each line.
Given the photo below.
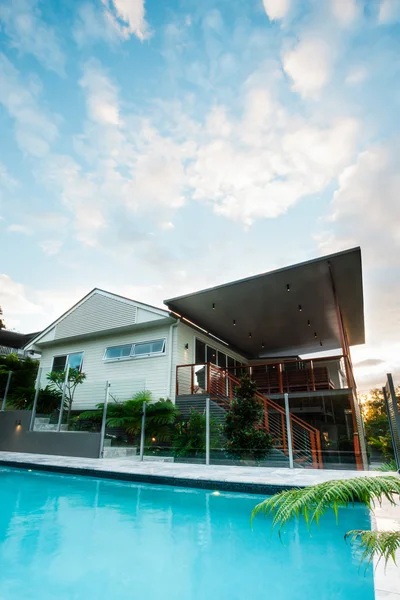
74, 361
59, 363
140, 349
145, 348
117, 352
200, 352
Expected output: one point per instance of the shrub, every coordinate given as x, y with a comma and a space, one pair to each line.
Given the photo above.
190, 436
245, 437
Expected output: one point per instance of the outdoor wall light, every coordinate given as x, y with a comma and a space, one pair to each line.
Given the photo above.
320, 343
186, 346
300, 308
262, 345
309, 322
315, 334
213, 305
288, 287
249, 334
234, 322
18, 423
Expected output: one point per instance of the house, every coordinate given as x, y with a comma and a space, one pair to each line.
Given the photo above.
281, 328
12, 342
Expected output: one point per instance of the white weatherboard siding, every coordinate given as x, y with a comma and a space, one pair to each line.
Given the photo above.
97, 313
126, 376
182, 356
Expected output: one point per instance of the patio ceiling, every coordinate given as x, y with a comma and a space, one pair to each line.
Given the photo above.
286, 312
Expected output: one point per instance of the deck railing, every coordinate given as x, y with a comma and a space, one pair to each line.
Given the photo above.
208, 378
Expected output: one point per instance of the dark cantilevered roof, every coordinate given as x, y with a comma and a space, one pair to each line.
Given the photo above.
260, 317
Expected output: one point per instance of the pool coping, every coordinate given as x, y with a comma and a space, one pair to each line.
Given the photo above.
248, 480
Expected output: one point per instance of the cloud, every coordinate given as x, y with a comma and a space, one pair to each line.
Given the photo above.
29, 34
309, 66
118, 20
389, 11
18, 228
51, 247
15, 302
346, 11
276, 9
365, 211
7, 182
369, 362
356, 75
101, 95
267, 160
35, 129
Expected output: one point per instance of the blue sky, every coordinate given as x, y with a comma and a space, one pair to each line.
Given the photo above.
153, 147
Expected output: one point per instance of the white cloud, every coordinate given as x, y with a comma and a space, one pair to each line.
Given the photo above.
276, 9
389, 11
22, 23
7, 182
18, 228
15, 302
101, 95
118, 20
346, 11
366, 212
309, 66
35, 129
356, 76
167, 225
51, 247
271, 160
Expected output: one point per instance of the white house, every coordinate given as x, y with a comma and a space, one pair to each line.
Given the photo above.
132, 345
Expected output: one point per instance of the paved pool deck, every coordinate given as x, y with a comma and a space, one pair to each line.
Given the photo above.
259, 480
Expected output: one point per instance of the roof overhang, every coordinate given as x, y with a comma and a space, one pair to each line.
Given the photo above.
260, 317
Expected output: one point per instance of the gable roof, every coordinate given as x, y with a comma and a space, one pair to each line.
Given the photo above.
108, 302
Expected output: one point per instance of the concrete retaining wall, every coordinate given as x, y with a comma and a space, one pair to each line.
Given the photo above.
18, 438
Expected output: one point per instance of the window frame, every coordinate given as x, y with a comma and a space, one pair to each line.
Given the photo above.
132, 356
67, 355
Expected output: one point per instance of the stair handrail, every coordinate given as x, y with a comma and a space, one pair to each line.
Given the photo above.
311, 430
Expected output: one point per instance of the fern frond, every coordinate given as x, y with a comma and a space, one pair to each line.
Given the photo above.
382, 544
313, 502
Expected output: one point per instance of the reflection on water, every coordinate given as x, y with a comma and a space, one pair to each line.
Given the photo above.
78, 538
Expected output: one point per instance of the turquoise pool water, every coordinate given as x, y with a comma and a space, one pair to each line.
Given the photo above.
71, 538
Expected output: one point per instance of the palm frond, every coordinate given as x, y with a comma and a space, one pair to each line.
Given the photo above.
389, 466
314, 501
379, 544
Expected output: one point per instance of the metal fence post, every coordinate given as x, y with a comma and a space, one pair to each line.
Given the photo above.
6, 390
142, 432
103, 422
60, 416
207, 430
289, 431
39, 376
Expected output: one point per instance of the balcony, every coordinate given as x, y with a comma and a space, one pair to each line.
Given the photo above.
327, 374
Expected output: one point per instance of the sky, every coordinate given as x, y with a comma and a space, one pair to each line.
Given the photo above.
155, 147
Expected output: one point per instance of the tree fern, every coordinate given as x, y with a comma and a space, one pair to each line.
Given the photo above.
311, 503
382, 544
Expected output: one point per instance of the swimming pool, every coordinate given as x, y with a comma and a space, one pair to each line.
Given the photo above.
73, 538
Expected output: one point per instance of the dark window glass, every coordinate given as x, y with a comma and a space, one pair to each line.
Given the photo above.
59, 363
231, 364
211, 355
200, 352
221, 359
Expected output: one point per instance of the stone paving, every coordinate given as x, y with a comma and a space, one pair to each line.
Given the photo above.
386, 517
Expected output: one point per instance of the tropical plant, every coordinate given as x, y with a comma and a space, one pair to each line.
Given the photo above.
190, 435
48, 400
160, 417
376, 421
311, 503
57, 380
389, 466
245, 437
24, 372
